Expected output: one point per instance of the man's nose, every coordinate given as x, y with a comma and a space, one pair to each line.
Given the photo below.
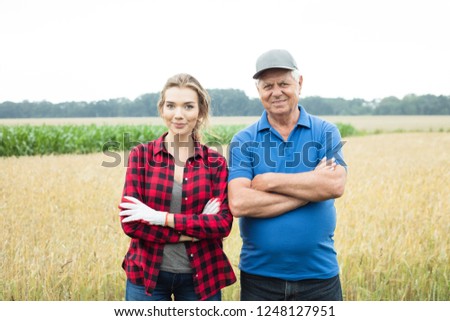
276, 91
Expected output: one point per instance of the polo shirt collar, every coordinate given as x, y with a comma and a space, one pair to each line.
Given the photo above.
303, 120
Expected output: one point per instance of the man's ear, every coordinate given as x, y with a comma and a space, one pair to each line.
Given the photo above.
300, 83
256, 85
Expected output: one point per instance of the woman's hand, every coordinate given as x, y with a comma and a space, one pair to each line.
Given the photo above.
135, 210
212, 207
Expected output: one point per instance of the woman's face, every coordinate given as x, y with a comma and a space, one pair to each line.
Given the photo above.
180, 111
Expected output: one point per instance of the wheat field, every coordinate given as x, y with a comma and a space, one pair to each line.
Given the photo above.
61, 238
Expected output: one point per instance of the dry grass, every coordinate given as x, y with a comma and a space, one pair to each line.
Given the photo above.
61, 238
60, 234
390, 123
394, 224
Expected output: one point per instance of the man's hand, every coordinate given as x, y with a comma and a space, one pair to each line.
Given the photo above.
261, 182
135, 210
328, 164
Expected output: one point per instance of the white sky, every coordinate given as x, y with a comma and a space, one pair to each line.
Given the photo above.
76, 50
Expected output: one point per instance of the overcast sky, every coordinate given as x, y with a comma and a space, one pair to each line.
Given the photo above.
86, 50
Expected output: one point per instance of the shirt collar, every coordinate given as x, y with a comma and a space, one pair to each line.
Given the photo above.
160, 147
303, 120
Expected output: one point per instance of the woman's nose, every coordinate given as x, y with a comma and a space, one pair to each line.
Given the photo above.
178, 112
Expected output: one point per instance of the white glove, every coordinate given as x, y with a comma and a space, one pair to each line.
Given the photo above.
212, 207
137, 211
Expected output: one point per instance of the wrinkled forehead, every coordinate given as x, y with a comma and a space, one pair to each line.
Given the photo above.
275, 75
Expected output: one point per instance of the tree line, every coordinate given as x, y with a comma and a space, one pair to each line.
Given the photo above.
228, 102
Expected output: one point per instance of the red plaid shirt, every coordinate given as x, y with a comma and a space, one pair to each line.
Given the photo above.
149, 178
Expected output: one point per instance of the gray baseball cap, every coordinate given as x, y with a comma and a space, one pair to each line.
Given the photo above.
276, 58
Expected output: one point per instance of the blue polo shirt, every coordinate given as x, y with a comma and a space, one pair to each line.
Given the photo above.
298, 244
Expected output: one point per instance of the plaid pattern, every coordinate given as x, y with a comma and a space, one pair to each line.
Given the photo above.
149, 178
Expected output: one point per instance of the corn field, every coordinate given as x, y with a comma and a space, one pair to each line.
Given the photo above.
29, 140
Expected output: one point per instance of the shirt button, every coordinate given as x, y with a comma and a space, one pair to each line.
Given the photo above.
185, 198
192, 255
196, 275
186, 179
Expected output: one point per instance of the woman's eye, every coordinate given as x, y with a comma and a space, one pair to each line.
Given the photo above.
189, 107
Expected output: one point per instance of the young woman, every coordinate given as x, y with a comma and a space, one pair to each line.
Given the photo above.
175, 207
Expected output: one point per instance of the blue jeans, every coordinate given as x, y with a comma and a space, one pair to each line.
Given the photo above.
259, 288
180, 285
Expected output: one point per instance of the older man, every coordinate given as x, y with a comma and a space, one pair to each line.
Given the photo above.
285, 172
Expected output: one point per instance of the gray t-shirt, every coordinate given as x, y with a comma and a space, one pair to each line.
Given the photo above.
175, 259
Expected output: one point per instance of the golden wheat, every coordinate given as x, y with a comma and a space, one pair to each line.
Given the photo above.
61, 237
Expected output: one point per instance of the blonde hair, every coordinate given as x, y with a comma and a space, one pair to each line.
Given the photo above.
187, 81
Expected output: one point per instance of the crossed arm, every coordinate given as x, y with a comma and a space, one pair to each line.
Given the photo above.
140, 220
272, 194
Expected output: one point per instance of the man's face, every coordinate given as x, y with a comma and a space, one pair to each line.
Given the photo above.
278, 91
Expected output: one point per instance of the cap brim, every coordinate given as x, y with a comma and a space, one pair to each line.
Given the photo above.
259, 73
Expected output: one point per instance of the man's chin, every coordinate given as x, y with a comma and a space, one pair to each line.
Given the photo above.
280, 109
